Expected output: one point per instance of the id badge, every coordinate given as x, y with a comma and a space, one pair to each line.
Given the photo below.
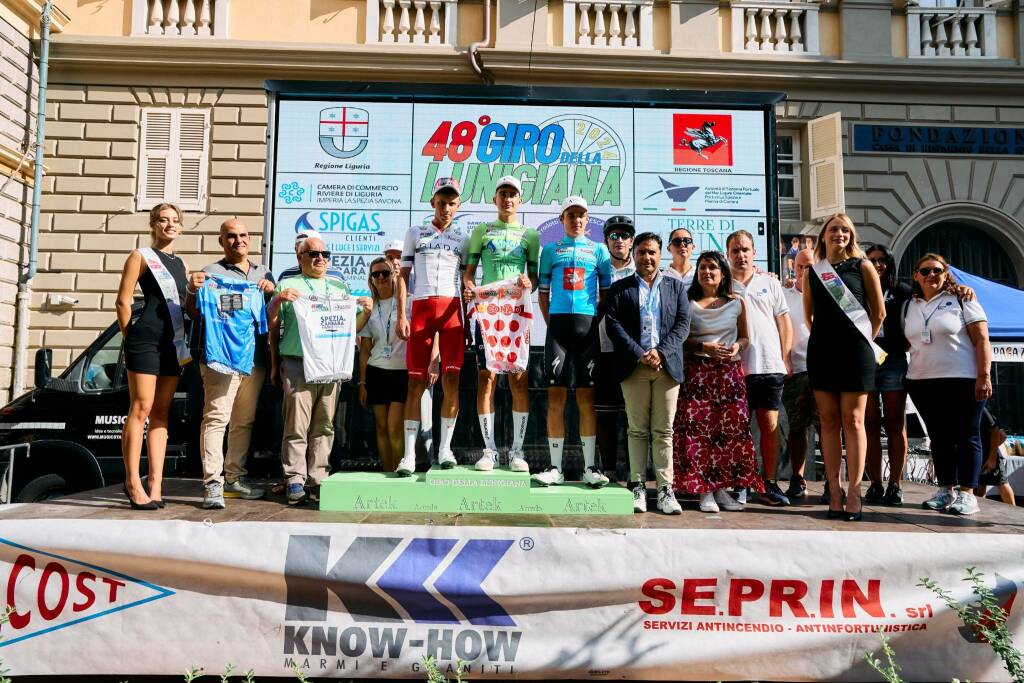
926, 336
386, 351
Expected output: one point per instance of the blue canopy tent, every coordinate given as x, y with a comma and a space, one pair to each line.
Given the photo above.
1004, 307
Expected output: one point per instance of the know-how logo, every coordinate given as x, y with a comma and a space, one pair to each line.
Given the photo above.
385, 579
49, 592
702, 139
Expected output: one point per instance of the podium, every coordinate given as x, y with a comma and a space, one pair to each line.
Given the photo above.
463, 489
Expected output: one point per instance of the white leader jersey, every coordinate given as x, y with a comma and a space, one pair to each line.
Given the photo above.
435, 257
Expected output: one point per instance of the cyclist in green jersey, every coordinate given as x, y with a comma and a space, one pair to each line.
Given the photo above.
505, 249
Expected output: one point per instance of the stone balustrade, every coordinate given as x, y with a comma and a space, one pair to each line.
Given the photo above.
608, 24
412, 22
951, 31
180, 18
786, 27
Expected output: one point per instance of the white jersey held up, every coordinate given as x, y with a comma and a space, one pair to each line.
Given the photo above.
327, 329
765, 302
435, 257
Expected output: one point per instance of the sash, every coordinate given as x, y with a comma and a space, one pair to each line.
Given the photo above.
169, 288
847, 303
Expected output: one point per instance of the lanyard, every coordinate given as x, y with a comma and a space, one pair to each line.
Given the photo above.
380, 319
934, 311
311, 289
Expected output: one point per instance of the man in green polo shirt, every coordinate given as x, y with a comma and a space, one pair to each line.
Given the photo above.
506, 250
308, 408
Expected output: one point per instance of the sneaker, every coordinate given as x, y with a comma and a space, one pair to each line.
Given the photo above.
446, 459
486, 462
296, 494
407, 465
797, 487
639, 490
773, 495
741, 494
941, 501
727, 502
667, 502
594, 478
516, 461
241, 488
213, 496
549, 476
965, 503
707, 502
875, 493
893, 495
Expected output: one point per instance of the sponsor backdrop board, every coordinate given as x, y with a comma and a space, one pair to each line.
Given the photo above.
370, 601
361, 172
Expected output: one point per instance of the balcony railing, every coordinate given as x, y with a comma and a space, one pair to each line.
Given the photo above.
786, 27
608, 24
412, 22
951, 32
180, 18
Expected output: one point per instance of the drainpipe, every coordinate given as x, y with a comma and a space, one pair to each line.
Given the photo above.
474, 55
25, 285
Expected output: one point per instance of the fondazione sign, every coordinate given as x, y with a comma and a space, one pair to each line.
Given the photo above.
344, 601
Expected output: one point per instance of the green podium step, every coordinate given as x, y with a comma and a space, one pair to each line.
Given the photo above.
463, 489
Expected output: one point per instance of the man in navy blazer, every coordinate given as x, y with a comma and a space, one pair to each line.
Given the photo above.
648, 319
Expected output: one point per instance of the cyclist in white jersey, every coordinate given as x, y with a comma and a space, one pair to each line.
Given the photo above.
434, 253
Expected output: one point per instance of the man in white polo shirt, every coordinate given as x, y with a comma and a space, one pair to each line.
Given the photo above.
797, 397
766, 358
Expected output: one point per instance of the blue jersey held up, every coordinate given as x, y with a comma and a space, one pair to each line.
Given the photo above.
572, 270
234, 313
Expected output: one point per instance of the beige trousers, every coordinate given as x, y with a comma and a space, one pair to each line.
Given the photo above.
230, 399
650, 397
308, 421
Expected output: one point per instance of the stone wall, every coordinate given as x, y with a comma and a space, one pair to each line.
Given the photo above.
90, 222
17, 111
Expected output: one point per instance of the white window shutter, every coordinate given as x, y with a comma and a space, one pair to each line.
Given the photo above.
173, 158
825, 162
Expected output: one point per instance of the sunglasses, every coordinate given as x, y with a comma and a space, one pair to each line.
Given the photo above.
318, 254
925, 272
616, 236
381, 273
681, 241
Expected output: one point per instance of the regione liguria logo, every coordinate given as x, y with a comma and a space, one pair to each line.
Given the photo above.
49, 592
702, 139
384, 579
344, 131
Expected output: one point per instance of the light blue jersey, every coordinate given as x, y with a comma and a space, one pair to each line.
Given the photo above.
573, 269
234, 313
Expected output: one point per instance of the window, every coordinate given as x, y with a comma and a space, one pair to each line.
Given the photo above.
787, 146
174, 155
103, 371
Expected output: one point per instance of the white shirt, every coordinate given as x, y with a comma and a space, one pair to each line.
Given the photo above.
617, 274
798, 356
435, 257
765, 302
687, 280
388, 351
715, 325
327, 329
650, 312
950, 353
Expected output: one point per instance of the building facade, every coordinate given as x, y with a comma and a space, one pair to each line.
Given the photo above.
909, 116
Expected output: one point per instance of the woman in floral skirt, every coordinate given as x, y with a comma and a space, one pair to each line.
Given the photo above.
712, 446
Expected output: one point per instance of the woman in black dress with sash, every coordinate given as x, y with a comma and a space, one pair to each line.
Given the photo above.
840, 360
152, 356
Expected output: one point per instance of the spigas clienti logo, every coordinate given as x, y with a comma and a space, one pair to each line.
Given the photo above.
569, 154
423, 595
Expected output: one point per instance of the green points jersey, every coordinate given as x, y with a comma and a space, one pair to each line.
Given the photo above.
504, 250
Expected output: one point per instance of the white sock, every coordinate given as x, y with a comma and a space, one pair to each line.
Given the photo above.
519, 421
487, 429
447, 429
555, 447
589, 446
412, 429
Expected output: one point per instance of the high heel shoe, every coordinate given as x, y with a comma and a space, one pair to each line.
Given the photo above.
151, 505
835, 514
159, 501
853, 516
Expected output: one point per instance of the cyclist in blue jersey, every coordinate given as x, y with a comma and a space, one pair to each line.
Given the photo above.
574, 273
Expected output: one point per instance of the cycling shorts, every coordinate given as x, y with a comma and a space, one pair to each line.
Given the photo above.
440, 315
572, 347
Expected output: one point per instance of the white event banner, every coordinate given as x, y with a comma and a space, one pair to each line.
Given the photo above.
362, 172
364, 601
